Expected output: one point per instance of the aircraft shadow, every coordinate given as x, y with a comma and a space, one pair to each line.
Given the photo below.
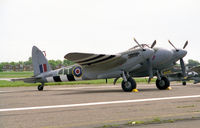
72, 92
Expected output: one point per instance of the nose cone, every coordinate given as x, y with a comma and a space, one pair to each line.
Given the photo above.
148, 53
181, 53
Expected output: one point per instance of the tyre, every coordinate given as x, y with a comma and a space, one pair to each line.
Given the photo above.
129, 85
40, 88
184, 83
163, 83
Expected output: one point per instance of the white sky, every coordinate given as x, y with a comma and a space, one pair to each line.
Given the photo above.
95, 26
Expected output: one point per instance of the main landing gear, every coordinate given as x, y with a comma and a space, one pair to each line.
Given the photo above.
41, 87
162, 82
128, 83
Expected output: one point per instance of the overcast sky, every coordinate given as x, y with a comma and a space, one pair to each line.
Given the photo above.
95, 26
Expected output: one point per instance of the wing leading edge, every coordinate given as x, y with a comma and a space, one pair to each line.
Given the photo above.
89, 59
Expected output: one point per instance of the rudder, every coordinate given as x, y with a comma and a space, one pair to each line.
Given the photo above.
40, 63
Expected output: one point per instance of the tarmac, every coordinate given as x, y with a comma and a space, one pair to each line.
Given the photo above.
99, 106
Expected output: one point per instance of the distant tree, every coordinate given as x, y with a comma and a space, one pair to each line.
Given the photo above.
67, 62
192, 63
20, 62
13, 63
1, 67
29, 62
55, 63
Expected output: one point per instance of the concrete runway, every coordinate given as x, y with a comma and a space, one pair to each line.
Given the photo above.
91, 106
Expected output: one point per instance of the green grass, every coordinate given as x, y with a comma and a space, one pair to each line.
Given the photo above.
4, 83
187, 106
15, 74
156, 120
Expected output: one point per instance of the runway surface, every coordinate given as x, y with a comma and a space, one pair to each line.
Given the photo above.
91, 106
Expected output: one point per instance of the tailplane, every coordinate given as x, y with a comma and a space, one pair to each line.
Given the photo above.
40, 63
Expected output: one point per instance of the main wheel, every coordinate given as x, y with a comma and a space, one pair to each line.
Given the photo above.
184, 83
40, 88
163, 83
129, 85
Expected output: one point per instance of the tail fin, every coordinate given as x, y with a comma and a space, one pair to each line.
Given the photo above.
40, 63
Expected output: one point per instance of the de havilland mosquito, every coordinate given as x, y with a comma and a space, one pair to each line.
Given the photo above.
140, 61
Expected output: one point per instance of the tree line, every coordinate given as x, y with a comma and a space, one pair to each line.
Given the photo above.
54, 63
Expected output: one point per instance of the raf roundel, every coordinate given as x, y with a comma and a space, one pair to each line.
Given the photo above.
77, 71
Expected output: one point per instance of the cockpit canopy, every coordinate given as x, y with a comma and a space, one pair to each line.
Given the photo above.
142, 45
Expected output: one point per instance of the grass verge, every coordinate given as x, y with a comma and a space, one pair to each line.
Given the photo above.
4, 83
15, 74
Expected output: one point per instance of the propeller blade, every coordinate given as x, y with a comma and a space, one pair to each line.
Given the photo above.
183, 67
186, 43
138, 43
172, 45
154, 43
150, 69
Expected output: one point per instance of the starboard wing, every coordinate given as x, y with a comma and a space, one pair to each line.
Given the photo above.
27, 80
89, 59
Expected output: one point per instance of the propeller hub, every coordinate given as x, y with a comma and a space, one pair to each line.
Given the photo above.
180, 53
148, 53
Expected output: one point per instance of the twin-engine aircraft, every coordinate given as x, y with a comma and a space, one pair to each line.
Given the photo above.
140, 61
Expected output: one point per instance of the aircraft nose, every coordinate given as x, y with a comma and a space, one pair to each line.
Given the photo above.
183, 53
148, 53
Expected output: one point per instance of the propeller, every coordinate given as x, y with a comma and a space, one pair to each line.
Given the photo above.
186, 43
182, 62
173, 45
153, 44
149, 61
138, 44
150, 69
181, 59
183, 67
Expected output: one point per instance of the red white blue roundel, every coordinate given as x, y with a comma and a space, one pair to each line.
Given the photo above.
77, 71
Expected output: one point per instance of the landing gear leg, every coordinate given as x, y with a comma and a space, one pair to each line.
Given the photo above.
128, 83
41, 87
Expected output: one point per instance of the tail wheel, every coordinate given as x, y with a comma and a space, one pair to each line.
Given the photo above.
184, 83
40, 87
163, 83
129, 85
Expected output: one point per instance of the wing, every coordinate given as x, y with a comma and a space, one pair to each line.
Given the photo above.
97, 60
27, 80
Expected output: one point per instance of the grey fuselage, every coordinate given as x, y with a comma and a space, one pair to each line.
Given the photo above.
129, 61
